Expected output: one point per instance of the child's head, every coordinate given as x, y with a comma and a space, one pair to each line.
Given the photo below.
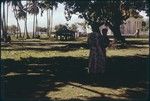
104, 31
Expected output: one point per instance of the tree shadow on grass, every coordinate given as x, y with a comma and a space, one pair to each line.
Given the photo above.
63, 47
138, 42
32, 78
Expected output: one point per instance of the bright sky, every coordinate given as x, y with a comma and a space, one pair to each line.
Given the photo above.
58, 18
143, 13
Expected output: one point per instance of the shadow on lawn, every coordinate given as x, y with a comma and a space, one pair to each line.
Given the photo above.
63, 47
46, 47
32, 78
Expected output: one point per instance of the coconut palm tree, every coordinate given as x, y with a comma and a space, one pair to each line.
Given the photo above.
4, 18
17, 8
3, 22
25, 22
7, 15
48, 5
48, 22
17, 19
51, 24
34, 10
16, 4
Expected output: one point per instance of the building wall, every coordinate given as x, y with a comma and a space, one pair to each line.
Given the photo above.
131, 26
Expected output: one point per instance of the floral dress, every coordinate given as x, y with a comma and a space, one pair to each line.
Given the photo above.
97, 54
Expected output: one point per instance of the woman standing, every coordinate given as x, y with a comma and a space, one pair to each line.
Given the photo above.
97, 58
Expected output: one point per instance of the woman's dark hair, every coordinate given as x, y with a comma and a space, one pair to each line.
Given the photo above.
105, 30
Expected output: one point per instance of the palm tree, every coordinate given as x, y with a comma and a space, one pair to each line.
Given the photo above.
16, 17
48, 22
3, 20
33, 9
51, 25
36, 24
7, 15
25, 22
17, 7
48, 5
4, 36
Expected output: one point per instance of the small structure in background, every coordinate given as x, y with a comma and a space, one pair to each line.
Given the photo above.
64, 34
132, 26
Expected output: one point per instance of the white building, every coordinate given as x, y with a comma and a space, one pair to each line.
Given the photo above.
131, 26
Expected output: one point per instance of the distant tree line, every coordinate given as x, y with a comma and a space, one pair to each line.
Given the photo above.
96, 12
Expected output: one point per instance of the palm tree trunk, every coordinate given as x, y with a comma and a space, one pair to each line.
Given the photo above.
2, 27
24, 30
4, 23
33, 26
36, 24
48, 22
18, 25
4, 20
17, 32
28, 37
7, 16
51, 21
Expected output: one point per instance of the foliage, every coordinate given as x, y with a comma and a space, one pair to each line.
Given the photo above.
13, 29
73, 27
33, 7
104, 10
95, 12
99, 12
41, 29
47, 4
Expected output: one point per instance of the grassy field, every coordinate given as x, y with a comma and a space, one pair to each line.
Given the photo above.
48, 71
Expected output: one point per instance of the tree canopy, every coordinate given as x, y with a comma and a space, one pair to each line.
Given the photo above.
109, 12
96, 12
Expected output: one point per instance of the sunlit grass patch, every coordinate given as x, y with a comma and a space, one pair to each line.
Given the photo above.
75, 53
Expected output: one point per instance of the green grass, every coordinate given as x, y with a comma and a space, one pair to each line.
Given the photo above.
76, 53
42, 48
45, 70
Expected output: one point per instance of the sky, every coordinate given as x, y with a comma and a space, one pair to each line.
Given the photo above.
58, 18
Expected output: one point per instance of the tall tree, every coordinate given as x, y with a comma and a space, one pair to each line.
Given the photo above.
98, 12
48, 6
7, 15
48, 22
33, 9
17, 8
3, 20
17, 19
51, 20
37, 33
25, 21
